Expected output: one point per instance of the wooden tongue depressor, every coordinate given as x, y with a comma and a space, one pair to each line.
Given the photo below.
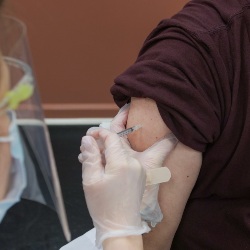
157, 176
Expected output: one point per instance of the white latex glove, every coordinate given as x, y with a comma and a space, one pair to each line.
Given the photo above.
149, 159
119, 122
116, 125
113, 192
150, 209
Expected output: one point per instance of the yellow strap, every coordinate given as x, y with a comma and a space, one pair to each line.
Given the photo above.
22, 92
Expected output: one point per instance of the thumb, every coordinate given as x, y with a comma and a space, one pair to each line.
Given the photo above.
119, 122
92, 168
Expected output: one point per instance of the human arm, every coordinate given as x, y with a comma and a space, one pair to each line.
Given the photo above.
113, 184
183, 162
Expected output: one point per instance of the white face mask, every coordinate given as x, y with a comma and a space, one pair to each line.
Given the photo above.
17, 175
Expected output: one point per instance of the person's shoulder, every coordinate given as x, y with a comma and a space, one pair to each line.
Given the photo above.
206, 16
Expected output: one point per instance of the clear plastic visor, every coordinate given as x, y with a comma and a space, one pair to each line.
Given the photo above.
42, 179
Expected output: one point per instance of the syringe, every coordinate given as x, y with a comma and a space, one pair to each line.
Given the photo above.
129, 130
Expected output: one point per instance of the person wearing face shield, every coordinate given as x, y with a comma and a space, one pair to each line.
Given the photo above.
12, 175
27, 166
12, 165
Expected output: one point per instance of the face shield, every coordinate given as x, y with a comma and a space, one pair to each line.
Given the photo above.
42, 180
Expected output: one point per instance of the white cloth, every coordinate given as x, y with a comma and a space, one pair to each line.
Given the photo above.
84, 242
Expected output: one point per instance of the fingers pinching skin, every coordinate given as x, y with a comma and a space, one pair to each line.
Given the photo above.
154, 156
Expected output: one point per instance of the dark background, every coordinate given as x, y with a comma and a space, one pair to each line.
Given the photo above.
29, 225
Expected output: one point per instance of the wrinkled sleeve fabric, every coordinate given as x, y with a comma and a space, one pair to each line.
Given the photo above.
177, 71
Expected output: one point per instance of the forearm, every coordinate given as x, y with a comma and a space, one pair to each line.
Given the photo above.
124, 243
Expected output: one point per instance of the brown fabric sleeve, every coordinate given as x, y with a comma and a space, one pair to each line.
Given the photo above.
177, 72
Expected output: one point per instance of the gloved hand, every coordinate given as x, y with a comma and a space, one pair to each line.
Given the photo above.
113, 192
150, 209
149, 159
116, 125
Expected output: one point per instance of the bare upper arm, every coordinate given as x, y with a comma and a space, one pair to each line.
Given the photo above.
183, 162
144, 111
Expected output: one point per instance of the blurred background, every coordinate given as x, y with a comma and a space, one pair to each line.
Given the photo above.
79, 47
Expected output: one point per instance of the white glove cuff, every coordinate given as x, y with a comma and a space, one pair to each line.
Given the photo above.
144, 228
